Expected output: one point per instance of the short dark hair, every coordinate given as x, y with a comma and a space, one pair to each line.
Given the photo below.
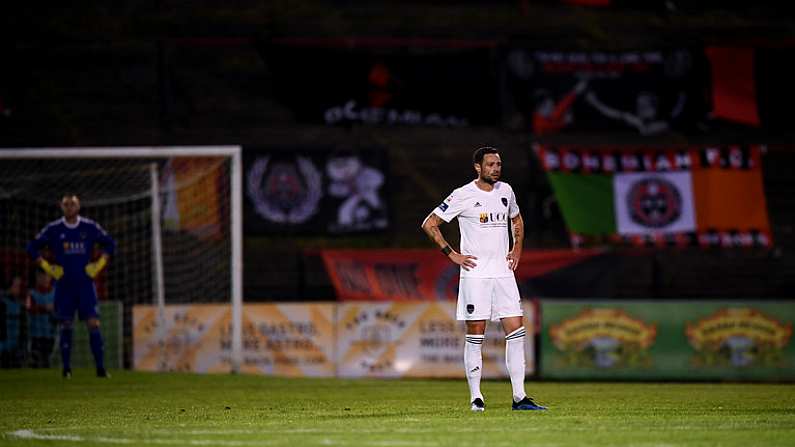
477, 156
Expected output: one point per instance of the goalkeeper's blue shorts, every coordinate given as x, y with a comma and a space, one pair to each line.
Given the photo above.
80, 298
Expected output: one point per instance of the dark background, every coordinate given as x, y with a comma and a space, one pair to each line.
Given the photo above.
168, 72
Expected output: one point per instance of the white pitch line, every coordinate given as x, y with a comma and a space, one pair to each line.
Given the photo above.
400, 443
33, 435
209, 432
266, 430
30, 434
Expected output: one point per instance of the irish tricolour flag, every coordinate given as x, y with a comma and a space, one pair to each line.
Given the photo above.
702, 196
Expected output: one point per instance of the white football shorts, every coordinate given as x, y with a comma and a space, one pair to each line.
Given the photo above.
488, 299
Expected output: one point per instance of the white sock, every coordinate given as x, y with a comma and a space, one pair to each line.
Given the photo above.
473, 362
514, 361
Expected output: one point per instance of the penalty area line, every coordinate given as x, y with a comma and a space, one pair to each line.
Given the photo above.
32, 435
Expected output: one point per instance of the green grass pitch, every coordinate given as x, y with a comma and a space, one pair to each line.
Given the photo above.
37, 407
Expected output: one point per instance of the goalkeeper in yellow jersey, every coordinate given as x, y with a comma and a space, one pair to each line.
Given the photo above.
71, 240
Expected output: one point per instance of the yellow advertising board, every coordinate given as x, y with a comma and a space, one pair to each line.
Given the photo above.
293, 340
361, 339
188, 340
414, 339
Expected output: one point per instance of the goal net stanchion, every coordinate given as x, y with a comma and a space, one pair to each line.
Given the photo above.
175, 213
158, 287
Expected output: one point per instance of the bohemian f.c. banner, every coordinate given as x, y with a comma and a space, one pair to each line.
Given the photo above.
710, 196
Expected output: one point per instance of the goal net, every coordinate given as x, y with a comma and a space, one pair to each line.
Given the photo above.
173, 212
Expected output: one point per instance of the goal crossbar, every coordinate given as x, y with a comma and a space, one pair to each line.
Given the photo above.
121, 152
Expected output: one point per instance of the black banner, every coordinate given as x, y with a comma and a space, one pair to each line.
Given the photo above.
648, 92
775, 95
389, 85
314, 191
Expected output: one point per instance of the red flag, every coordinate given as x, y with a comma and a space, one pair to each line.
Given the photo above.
411, 274
733, 84
588, 2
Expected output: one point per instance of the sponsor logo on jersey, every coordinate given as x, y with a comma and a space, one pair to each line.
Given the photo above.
739, 337
443, 206
74, 248
493, 217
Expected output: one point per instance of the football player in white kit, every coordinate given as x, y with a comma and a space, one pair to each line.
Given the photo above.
487, 288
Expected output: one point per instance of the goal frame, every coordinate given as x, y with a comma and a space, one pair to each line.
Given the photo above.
156, 152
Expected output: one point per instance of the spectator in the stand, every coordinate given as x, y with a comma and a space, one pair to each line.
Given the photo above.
41, 320
14, 340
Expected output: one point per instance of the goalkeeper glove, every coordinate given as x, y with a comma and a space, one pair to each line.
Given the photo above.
93, 268
54, 270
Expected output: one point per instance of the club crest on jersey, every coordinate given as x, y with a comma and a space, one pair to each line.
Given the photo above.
477, 204
504, 201
470, 308
83, 235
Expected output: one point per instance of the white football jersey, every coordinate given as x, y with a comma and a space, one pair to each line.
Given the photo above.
483, 218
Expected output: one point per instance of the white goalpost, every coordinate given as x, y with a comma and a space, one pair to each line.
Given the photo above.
175, 212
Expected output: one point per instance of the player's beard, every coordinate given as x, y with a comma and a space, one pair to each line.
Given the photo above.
489, 179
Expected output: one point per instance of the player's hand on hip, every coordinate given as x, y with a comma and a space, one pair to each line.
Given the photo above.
93, 268
54, 270
465, 261
513, 259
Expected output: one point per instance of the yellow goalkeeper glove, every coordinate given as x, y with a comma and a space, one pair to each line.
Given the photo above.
54, 270
93, 268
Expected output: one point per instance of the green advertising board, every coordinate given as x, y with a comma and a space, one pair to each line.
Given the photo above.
667, 340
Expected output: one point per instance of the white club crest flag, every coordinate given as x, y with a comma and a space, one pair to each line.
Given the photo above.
654, 202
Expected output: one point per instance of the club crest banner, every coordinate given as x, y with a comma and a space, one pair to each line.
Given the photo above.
710, 196
662, 201
315, 191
